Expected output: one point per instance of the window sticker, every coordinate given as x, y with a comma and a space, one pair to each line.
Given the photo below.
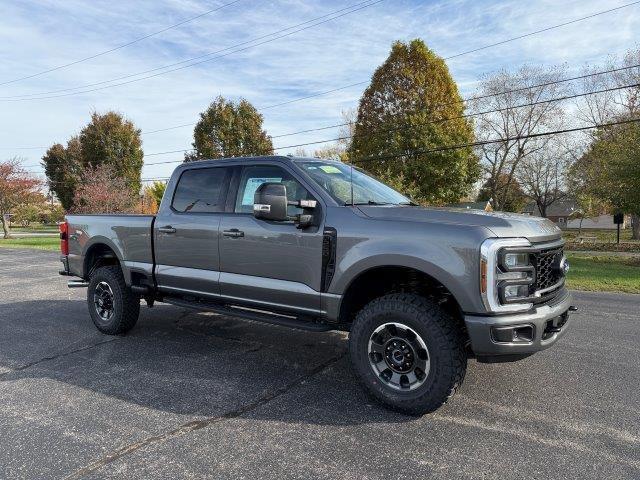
330, 169
252, 185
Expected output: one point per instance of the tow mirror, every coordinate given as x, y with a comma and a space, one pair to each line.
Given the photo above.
270, 202
305, 219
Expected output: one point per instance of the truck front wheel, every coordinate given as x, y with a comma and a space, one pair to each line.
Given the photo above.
408, 352
114, 309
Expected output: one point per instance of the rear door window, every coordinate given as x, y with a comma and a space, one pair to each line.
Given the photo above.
202, 190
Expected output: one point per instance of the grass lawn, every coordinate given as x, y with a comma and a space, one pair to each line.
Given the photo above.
35, 229
604, 273
39, 243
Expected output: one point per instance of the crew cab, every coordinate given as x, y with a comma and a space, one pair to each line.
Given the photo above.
321, 245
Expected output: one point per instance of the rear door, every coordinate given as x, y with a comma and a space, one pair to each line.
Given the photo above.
265, 263
186, 232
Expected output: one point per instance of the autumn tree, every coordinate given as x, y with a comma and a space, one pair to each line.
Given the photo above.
52, 213
108, 139
28, 213
228, 129
156, 190
509, 107
608, 169
103, 190
412, 104
17, 188
62, 166
147, 203
514, 197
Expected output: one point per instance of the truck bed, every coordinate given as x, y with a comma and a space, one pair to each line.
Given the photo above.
129, 236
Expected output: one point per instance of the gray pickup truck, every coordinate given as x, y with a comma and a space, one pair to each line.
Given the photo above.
319, 245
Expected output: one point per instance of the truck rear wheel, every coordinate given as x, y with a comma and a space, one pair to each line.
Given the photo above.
408, 352
114, 309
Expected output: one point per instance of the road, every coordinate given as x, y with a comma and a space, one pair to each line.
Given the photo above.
188, 395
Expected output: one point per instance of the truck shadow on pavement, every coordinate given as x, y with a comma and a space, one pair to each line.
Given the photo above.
186, 363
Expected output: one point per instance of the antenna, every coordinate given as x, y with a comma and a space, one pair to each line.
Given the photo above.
351, 172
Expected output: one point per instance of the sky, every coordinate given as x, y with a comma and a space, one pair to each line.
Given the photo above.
42, 34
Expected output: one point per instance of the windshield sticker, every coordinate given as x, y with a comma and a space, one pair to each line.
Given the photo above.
330, 169
252, 186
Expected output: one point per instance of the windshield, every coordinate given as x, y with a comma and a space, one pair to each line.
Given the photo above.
335, 179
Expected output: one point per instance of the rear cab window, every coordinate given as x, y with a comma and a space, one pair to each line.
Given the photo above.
201, 190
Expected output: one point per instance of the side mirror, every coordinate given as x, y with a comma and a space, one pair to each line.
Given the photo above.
270, 202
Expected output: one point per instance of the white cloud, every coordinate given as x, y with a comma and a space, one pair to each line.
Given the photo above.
36, 35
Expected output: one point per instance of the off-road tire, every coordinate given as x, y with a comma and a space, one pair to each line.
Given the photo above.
126, 305
443, 336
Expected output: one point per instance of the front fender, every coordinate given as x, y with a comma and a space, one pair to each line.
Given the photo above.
452, 260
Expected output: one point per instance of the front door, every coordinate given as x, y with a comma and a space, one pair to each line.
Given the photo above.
269, 264
186, 233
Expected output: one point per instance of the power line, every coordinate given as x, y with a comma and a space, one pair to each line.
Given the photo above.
497, 140
469, 115
142, 180
309, 24
327, 127
75, 62
445, 58
22, 148
471, 144
484, 47
463, 100
549, 28
299, 99
453, 56
442, 120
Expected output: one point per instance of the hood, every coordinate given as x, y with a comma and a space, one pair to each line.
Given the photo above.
502, 224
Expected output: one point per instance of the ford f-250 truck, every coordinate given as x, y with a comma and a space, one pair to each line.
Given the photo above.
319, 245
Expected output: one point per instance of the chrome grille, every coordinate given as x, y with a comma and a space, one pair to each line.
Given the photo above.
547, 268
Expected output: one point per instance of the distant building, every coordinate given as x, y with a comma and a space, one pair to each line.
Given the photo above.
563, 212
599, 222
485, 205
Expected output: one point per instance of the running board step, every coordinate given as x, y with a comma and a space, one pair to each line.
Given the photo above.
249, 315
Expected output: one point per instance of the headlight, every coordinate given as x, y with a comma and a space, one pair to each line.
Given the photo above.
514, 260
506, 274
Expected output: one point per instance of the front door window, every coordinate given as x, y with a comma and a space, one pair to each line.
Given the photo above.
255, 175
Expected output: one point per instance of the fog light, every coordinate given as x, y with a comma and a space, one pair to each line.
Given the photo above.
516, 291
513, 334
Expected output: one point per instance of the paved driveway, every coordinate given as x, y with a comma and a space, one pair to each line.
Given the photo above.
189, 395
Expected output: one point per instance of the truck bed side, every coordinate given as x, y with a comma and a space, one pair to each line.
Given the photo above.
127, 237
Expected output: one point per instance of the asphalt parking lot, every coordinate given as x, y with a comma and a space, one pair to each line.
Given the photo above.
188, 395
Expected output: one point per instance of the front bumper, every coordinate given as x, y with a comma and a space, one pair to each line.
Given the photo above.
532, 331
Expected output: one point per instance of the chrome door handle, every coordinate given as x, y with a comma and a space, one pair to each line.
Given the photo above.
233, 233
167, 229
